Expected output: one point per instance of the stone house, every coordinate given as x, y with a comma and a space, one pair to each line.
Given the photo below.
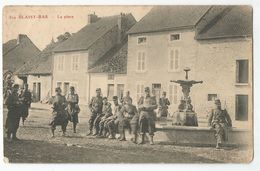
215, 42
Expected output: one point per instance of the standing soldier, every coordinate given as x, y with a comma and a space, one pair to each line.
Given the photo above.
163, 105
146, 106
129, 120
101, 119
73, 107
59, 114
219, 120
95, 107
126, 98
26, 98
112, 121
14, 113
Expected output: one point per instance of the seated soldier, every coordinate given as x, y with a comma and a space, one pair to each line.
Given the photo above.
128, 113
106, 113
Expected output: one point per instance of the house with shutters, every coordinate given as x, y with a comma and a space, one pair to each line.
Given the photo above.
94, 57
215, 42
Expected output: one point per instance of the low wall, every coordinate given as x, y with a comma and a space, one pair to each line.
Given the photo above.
202, 136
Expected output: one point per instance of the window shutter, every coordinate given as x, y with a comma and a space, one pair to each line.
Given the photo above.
176, 59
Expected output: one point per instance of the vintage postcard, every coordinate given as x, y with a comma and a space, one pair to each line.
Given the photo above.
128, 84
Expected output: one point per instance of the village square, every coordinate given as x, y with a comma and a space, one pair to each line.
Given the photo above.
174, 86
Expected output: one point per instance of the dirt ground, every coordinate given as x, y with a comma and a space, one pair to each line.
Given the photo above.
37, 146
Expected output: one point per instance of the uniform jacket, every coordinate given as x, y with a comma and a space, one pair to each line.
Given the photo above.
219, 116
96, 104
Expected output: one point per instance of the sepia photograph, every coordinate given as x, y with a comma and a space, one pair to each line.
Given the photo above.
127, 84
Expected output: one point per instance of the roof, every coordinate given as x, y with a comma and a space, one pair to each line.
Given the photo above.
233, 21
163, 18
16, 53
114, 61
39, 64
89, 34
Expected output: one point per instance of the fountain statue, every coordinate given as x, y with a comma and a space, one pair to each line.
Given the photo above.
185, 115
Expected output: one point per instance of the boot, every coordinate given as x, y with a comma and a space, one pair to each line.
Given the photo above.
142, 139
134, 138
90, 133
14, 137
151, 140
122, 136
74, 127
52, 132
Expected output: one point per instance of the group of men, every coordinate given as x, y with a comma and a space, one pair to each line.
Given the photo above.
104, 121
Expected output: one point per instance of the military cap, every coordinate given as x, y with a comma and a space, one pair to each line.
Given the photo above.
217, 102
98, 89
57, 89
164, 93
146, 89
16, 86
72, 88
115, 98
104, 98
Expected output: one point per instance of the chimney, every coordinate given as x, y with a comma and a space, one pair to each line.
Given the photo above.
20, 38
121, 24
92, 18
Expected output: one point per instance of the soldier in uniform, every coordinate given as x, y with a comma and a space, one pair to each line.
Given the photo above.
163, 105
112, 121
26, 98
14, 105
59, 114
101, 119
73, 107
146, 106
129, 118
219, 120
95, 107
126, 98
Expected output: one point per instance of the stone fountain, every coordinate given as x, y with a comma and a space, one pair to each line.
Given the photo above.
185, 115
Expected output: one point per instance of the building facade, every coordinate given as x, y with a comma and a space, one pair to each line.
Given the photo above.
219, 53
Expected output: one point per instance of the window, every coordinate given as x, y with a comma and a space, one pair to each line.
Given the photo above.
60, 63
174, 37
75, 63
156, 90
141, 40
111, 77
242, 107
173, 94
141, 60
139, 91
174, 60
242, 71
212, 97
110, 91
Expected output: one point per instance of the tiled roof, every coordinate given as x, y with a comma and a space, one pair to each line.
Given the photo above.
89, 34
17, 54
114, 61
163, 18
233, 21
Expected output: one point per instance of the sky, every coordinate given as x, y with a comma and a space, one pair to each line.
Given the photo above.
56, 20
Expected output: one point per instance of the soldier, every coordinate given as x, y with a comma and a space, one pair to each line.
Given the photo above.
112, 121
101, 119
126, 98
26, 98
14, 105
219, 120
129, 116
146, 106
95, 107
73, 107
163, 105
59, 114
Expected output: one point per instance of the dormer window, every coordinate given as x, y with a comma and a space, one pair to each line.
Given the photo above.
141, 40
174, 37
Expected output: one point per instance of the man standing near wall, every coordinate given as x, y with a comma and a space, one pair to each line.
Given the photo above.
95, 107
219, 120
146, 106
